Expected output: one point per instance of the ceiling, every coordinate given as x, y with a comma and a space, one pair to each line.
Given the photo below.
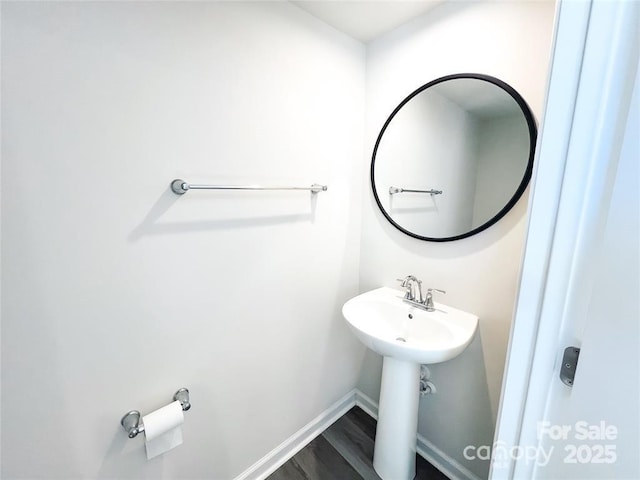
365, 20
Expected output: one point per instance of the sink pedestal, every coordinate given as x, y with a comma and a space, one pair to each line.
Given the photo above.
394, 456
406, 337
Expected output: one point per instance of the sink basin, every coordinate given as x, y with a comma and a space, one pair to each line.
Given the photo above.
406, 336
393, 328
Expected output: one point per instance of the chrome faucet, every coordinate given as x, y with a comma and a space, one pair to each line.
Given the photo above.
414, 293
410, 283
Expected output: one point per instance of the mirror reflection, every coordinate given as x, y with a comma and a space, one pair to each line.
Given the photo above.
453, 157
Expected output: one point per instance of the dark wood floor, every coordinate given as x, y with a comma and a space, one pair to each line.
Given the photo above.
344, 451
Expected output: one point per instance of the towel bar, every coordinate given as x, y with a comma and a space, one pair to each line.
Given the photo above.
180, 187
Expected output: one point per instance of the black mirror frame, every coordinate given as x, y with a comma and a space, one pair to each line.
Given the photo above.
533, 133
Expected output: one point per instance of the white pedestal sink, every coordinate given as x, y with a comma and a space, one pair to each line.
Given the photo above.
406, 336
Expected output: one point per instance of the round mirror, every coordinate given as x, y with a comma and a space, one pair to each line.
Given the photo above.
453, 157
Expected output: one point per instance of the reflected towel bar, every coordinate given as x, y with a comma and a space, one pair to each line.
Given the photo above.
180, 187
394, 190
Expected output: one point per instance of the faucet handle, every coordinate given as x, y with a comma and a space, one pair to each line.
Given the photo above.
428, 301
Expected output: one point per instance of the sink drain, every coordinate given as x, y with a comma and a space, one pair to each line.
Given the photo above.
400, 339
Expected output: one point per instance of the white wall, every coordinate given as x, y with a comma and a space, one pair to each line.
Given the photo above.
510, 41
503, 153
116, 291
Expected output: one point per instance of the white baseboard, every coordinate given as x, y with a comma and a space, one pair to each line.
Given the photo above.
443, 462
296, 442
367, 404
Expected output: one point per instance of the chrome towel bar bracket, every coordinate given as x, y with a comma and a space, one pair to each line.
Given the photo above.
180, 187
131, 420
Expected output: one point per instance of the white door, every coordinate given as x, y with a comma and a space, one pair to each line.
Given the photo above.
580, 275
591, 430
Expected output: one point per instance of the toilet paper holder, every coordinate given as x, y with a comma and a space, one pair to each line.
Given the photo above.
131, 421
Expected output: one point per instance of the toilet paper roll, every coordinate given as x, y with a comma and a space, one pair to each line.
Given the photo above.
163, 429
